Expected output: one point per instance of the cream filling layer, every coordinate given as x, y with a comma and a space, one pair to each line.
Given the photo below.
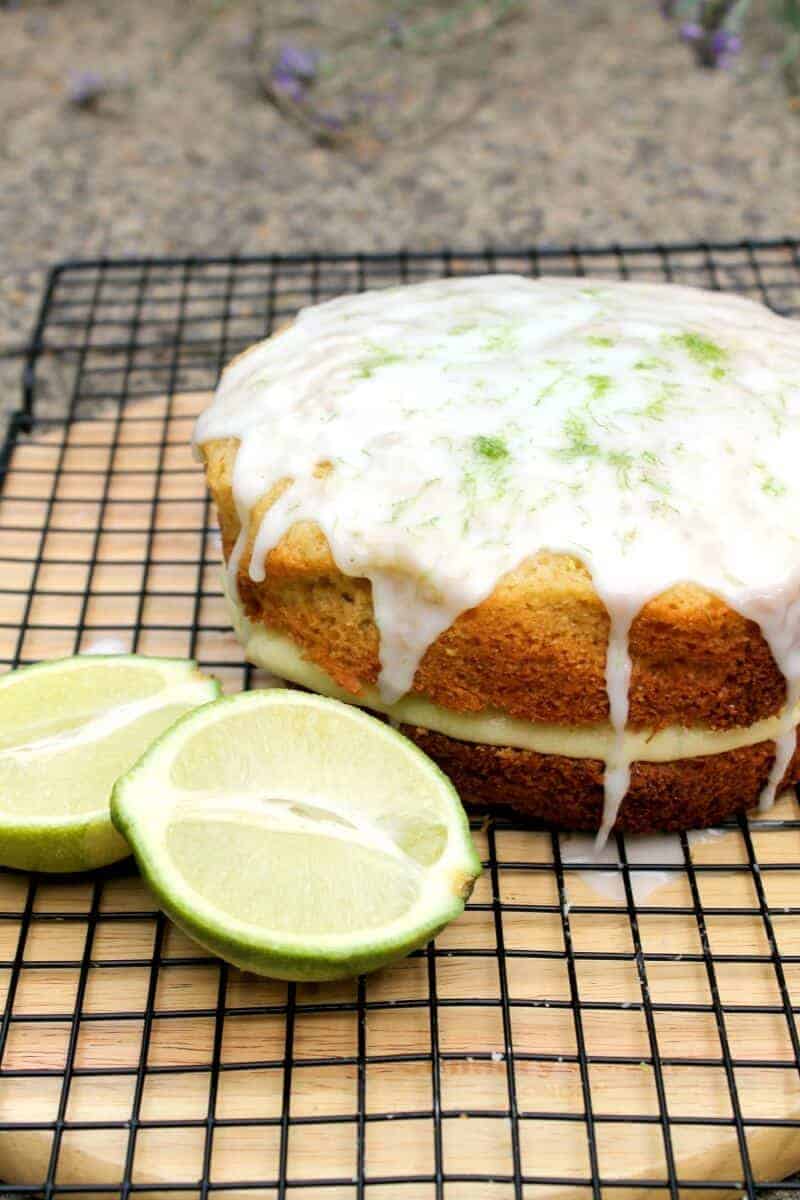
277, 654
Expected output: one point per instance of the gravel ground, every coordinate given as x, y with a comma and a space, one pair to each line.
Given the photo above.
586, 122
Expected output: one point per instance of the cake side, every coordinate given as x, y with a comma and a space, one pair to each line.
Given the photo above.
679, 778
695, 660
568, 792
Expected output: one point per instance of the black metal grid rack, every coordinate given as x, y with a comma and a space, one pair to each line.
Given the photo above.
117, 347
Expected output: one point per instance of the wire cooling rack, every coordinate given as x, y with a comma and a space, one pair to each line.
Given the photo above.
601, 1029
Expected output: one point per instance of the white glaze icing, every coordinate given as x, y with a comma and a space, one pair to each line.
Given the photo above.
650, 431
656, 852
107, 645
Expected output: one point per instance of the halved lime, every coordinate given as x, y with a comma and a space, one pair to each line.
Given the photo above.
68, 729
297, 837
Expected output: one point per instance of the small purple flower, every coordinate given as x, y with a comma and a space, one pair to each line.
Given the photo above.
725, 43
288, 85
302, 64
85, 88
712, 28
294, 72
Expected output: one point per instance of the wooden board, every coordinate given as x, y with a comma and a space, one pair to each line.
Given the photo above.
134, 1026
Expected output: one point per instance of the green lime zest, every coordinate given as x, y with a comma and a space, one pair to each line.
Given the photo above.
595, 339
502, 338
648, 364
770, 485
600, 385
494, 448
579, 443
379, 356
400, 507
621, 461
700, 349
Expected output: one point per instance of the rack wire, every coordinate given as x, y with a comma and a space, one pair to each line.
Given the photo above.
545, 1038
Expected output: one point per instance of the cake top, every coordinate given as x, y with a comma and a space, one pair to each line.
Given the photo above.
652, 431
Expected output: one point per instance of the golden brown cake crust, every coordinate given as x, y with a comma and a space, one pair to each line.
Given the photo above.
535, 649
568, 792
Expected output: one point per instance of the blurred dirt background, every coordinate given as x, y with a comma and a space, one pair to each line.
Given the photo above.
163, 126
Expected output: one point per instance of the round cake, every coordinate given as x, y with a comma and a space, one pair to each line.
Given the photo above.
549, 527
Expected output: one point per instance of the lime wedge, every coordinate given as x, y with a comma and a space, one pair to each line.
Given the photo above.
297, 837
68, 729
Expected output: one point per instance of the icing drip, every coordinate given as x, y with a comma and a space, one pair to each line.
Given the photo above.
617, 774
784, 749
780, 625
442, 434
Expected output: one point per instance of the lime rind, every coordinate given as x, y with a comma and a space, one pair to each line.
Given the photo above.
85, 840
143, 800
54, 848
